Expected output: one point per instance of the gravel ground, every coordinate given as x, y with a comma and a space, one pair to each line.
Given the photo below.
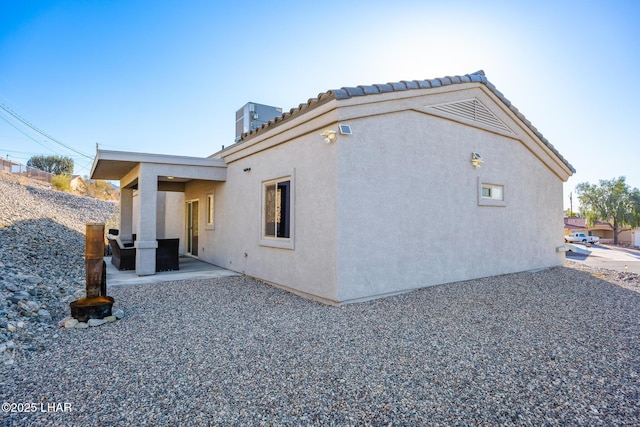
554, 347
41, 259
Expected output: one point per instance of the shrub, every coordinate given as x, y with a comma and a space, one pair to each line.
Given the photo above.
100, 189
61, 182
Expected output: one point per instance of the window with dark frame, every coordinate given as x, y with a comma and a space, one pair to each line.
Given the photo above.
277, 212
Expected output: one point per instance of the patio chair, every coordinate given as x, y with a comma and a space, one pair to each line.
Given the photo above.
122, 258
167, 255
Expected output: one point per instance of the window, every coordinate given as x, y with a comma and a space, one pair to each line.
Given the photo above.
210, 211
277, 213
492, 191
276, 209
490, 194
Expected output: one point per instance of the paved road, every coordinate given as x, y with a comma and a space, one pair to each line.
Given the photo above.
611, 257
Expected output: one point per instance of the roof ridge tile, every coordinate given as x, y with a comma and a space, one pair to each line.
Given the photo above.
369, 89
411, 84
398, 86
385, 87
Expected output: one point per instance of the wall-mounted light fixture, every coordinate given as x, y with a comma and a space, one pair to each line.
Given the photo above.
170, 178
476, 160
329, 136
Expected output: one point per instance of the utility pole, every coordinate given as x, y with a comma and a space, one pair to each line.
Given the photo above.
571, 204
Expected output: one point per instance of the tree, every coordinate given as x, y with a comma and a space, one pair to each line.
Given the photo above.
56, 165
611, 201
634, 215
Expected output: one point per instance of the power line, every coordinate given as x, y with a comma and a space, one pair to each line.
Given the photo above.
18, 152
41, 132
22, 154
24, 133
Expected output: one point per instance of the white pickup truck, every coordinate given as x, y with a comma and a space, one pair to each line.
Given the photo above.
580, 238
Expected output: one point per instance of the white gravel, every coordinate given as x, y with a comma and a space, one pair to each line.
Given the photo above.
555, 347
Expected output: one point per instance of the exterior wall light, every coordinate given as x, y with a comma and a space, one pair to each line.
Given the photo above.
476, 160
329, 136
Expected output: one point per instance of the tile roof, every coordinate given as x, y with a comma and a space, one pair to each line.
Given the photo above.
575, 223
350, 92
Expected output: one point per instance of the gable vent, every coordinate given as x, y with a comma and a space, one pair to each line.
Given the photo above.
475, 111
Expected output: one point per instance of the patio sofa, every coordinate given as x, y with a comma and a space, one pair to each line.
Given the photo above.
124, 254
123, 257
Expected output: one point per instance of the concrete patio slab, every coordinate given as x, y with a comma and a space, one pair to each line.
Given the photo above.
190, 268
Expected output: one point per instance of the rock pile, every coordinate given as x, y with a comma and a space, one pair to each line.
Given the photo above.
72, 323
41, 259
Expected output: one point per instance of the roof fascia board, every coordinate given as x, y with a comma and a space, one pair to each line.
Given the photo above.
206, 173
203, 172
130, 156
120, 164
381, 104
533, 140
407, 94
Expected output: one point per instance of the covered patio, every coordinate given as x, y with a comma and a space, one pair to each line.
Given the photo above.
147, 175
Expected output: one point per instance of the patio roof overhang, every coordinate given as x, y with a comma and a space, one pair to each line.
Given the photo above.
170, 170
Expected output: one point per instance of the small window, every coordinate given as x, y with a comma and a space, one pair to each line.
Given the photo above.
210, 210
490, 194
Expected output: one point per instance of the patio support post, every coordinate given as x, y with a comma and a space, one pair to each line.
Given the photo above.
146, 242
126, 214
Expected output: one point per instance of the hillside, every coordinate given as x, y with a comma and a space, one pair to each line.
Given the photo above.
41, 258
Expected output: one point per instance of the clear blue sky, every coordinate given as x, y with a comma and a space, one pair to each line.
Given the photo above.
168, 76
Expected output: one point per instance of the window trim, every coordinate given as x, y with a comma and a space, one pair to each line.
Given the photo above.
490, 201
274, 241
210, 211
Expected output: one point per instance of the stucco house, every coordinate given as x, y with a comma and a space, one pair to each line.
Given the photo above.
604, 231
359, 193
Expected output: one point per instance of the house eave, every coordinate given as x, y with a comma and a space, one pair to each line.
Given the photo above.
114, 165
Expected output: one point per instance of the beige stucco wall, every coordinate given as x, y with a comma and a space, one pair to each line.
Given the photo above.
408, 213
309, 268
198, 190
170, 216
135, 211
173, 224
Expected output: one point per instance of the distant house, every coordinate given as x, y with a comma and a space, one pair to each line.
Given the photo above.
78, 185
359, 193
575, 225
603, 230
630, 237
